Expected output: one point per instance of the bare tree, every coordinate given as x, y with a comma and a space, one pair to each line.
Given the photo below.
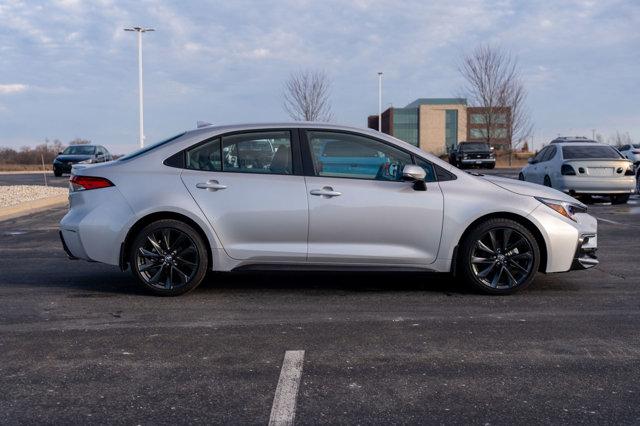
306, 96
620, 139
493, 82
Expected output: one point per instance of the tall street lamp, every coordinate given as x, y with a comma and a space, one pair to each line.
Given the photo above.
140, 30
380, 101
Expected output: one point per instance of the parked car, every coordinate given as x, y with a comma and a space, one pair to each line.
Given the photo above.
75, 154
582, 167
174, 210
631, 152
473, 154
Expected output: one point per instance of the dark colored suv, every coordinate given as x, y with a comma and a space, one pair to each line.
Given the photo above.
79, 154
473, 154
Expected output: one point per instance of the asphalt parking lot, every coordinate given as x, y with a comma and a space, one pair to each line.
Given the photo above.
80, 343
33, 179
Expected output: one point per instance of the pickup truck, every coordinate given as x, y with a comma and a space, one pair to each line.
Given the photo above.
473, 154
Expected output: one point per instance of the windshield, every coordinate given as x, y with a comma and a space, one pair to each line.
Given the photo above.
589, 151
474, 147
150, 147
79, 150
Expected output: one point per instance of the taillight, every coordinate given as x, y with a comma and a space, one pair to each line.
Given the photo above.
85, 183
636, 151
567, 170
630, 171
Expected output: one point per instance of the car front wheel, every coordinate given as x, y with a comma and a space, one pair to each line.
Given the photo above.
521, 177
499, 256
169, 257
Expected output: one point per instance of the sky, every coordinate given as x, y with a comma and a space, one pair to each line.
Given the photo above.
67, 68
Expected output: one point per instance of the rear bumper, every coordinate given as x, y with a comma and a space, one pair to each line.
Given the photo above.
585, 185
72, 245
585, 257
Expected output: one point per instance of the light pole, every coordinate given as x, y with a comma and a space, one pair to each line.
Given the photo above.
380, 101
140, 30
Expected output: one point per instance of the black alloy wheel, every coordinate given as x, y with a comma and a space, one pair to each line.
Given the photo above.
499, 256
169, 258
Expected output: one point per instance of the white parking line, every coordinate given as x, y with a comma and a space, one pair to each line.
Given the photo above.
283, 410
609, 221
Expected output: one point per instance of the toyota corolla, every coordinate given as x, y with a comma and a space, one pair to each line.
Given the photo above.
316, 196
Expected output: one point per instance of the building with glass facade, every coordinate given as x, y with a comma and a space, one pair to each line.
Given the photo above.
437, 125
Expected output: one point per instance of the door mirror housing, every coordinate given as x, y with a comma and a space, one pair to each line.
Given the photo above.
532, 160
411, 172
415, 174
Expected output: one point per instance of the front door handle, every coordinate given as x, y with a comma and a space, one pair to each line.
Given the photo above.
210, 185
326, 192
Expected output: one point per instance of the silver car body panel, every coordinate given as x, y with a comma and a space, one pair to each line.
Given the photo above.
262, 219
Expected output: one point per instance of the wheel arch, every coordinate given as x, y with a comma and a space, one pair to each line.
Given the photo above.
125, 247
531, 227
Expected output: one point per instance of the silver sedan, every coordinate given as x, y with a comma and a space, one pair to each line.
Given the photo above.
316, 196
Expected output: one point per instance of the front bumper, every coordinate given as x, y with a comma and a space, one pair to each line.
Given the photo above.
585, 257
62, 167
483, 161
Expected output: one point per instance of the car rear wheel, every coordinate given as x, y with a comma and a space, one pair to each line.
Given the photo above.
547, 181
57, 173
521, 176
619, 199
499, 256
169, 257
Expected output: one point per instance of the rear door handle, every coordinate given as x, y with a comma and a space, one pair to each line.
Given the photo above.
326, 192
211, 185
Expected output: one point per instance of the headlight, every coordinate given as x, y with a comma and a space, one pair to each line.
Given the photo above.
89, 161
564, 208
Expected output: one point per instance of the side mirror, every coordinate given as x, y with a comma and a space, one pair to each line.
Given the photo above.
532, 160
415, 174
60, 153
411, 172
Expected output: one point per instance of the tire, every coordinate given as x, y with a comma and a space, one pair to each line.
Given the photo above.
521, 177
484, 256
57, 173
619, 199
547, 181
168, 258
491, 166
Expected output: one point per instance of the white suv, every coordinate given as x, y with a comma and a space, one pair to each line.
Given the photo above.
579, 166
632, 152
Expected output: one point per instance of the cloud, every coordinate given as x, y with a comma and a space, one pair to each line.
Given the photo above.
6, 89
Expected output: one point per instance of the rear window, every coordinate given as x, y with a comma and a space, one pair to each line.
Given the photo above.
590, 151
474, 147
150, 147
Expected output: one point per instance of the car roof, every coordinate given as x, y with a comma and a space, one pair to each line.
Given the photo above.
276, 125
573, 139
592, 143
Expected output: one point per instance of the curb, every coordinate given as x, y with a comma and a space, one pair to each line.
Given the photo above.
35, 206
26, 172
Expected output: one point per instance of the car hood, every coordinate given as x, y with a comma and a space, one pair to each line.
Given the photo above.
73, 157
528, 188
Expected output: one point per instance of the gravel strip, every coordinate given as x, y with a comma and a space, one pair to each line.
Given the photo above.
16, 194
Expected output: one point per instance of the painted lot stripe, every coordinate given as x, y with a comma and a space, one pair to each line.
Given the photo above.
283, 410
